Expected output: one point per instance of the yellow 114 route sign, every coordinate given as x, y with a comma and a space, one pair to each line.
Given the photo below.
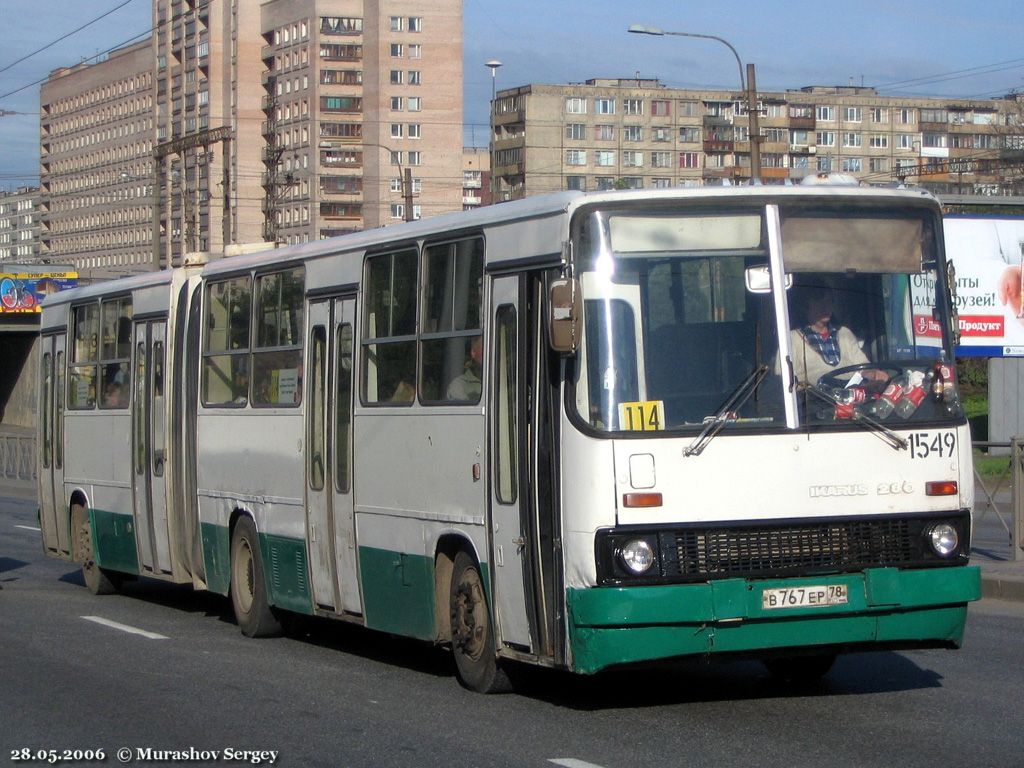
645, 416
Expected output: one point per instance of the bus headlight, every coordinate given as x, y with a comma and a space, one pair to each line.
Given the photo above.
637, 555
944, 538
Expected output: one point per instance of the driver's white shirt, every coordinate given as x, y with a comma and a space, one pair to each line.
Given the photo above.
809, 365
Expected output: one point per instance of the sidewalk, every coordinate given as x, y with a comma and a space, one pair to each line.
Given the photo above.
1002, 578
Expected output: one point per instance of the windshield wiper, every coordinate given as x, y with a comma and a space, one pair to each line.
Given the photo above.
877, 428
728, 412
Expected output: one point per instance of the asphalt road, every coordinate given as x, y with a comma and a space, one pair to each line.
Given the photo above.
334, 695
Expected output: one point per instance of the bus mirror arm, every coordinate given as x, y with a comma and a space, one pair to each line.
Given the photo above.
565, 311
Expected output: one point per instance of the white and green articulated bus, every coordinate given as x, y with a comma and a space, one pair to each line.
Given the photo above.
578, 431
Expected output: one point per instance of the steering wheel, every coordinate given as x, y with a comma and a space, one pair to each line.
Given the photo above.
840, 377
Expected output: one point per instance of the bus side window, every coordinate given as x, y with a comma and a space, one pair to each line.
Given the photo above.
389, 329
451, 332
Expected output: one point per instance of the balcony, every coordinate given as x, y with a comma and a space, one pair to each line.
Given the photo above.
801, 123
719, 146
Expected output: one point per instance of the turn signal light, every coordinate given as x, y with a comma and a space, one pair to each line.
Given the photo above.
641, 499
941, 488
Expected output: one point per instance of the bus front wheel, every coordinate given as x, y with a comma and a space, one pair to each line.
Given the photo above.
472, 631
98, 580
248, 587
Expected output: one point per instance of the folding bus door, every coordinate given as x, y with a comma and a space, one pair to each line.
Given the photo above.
52, 505
149, 445
330, 525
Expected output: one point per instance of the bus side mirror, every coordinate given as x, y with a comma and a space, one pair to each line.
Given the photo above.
565, 311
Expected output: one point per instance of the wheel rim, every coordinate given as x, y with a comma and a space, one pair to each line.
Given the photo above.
469, 616
243, 576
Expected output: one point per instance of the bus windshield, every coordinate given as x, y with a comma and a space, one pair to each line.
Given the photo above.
685, 323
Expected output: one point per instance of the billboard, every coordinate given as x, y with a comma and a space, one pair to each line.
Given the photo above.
988, 253
22, 292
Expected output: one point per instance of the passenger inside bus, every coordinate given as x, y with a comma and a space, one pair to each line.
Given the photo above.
466, 386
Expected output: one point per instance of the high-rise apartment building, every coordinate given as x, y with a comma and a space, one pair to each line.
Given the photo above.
95, 167
631, 133
284, 120
363, 112
19, 225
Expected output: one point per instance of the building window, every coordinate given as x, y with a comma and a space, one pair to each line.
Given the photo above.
878, 164
396, 131
633, 133
339, 25
397, 50
415, 23
414, 103
605, 157
604, 132
826, 113
576, 182
852, 140
576, 131
661, 159
689, 160
879, 115
414, 77
660, 108
825, 139
851, 114
688, 109
689, 134
397, 24
879, 141
576, 157
397, 77
575, 105
904, 116
661, 134
604, 106
851, 165
633, 106
633, 159
905, 140
414, 131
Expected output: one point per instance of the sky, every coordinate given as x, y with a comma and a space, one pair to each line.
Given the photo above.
909, 48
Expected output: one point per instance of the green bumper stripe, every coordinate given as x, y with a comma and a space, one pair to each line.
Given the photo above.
621, 625
113, 541
398, 592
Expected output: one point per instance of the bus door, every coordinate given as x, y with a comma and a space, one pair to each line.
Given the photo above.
330, 522
51, 471
520, 468
149, 445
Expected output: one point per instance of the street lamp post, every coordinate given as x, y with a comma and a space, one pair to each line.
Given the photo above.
748, 86
493, 65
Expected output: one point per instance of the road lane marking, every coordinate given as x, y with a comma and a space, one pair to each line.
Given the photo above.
28, 527
125, 628
572, 762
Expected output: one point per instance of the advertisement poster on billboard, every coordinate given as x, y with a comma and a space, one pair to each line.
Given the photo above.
988, 254
22, 292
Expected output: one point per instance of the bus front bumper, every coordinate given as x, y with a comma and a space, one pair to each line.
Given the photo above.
610, 626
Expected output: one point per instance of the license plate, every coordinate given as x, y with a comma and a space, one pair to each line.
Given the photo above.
805, 597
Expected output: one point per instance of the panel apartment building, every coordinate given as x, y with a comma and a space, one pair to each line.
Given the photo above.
19, 225
635, 133
284, 120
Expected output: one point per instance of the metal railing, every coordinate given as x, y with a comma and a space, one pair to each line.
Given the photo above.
1011, 519
17, 454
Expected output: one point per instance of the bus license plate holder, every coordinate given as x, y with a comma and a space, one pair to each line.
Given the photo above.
810, 596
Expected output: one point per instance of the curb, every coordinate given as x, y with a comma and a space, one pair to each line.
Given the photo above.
1000, 587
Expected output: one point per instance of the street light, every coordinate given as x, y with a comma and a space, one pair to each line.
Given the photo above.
748, 86
493, 65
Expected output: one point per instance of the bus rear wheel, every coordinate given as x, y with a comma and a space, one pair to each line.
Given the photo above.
97, 580
248, 586
472, 631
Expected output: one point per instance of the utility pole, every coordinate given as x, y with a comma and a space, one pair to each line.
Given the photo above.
753, 116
